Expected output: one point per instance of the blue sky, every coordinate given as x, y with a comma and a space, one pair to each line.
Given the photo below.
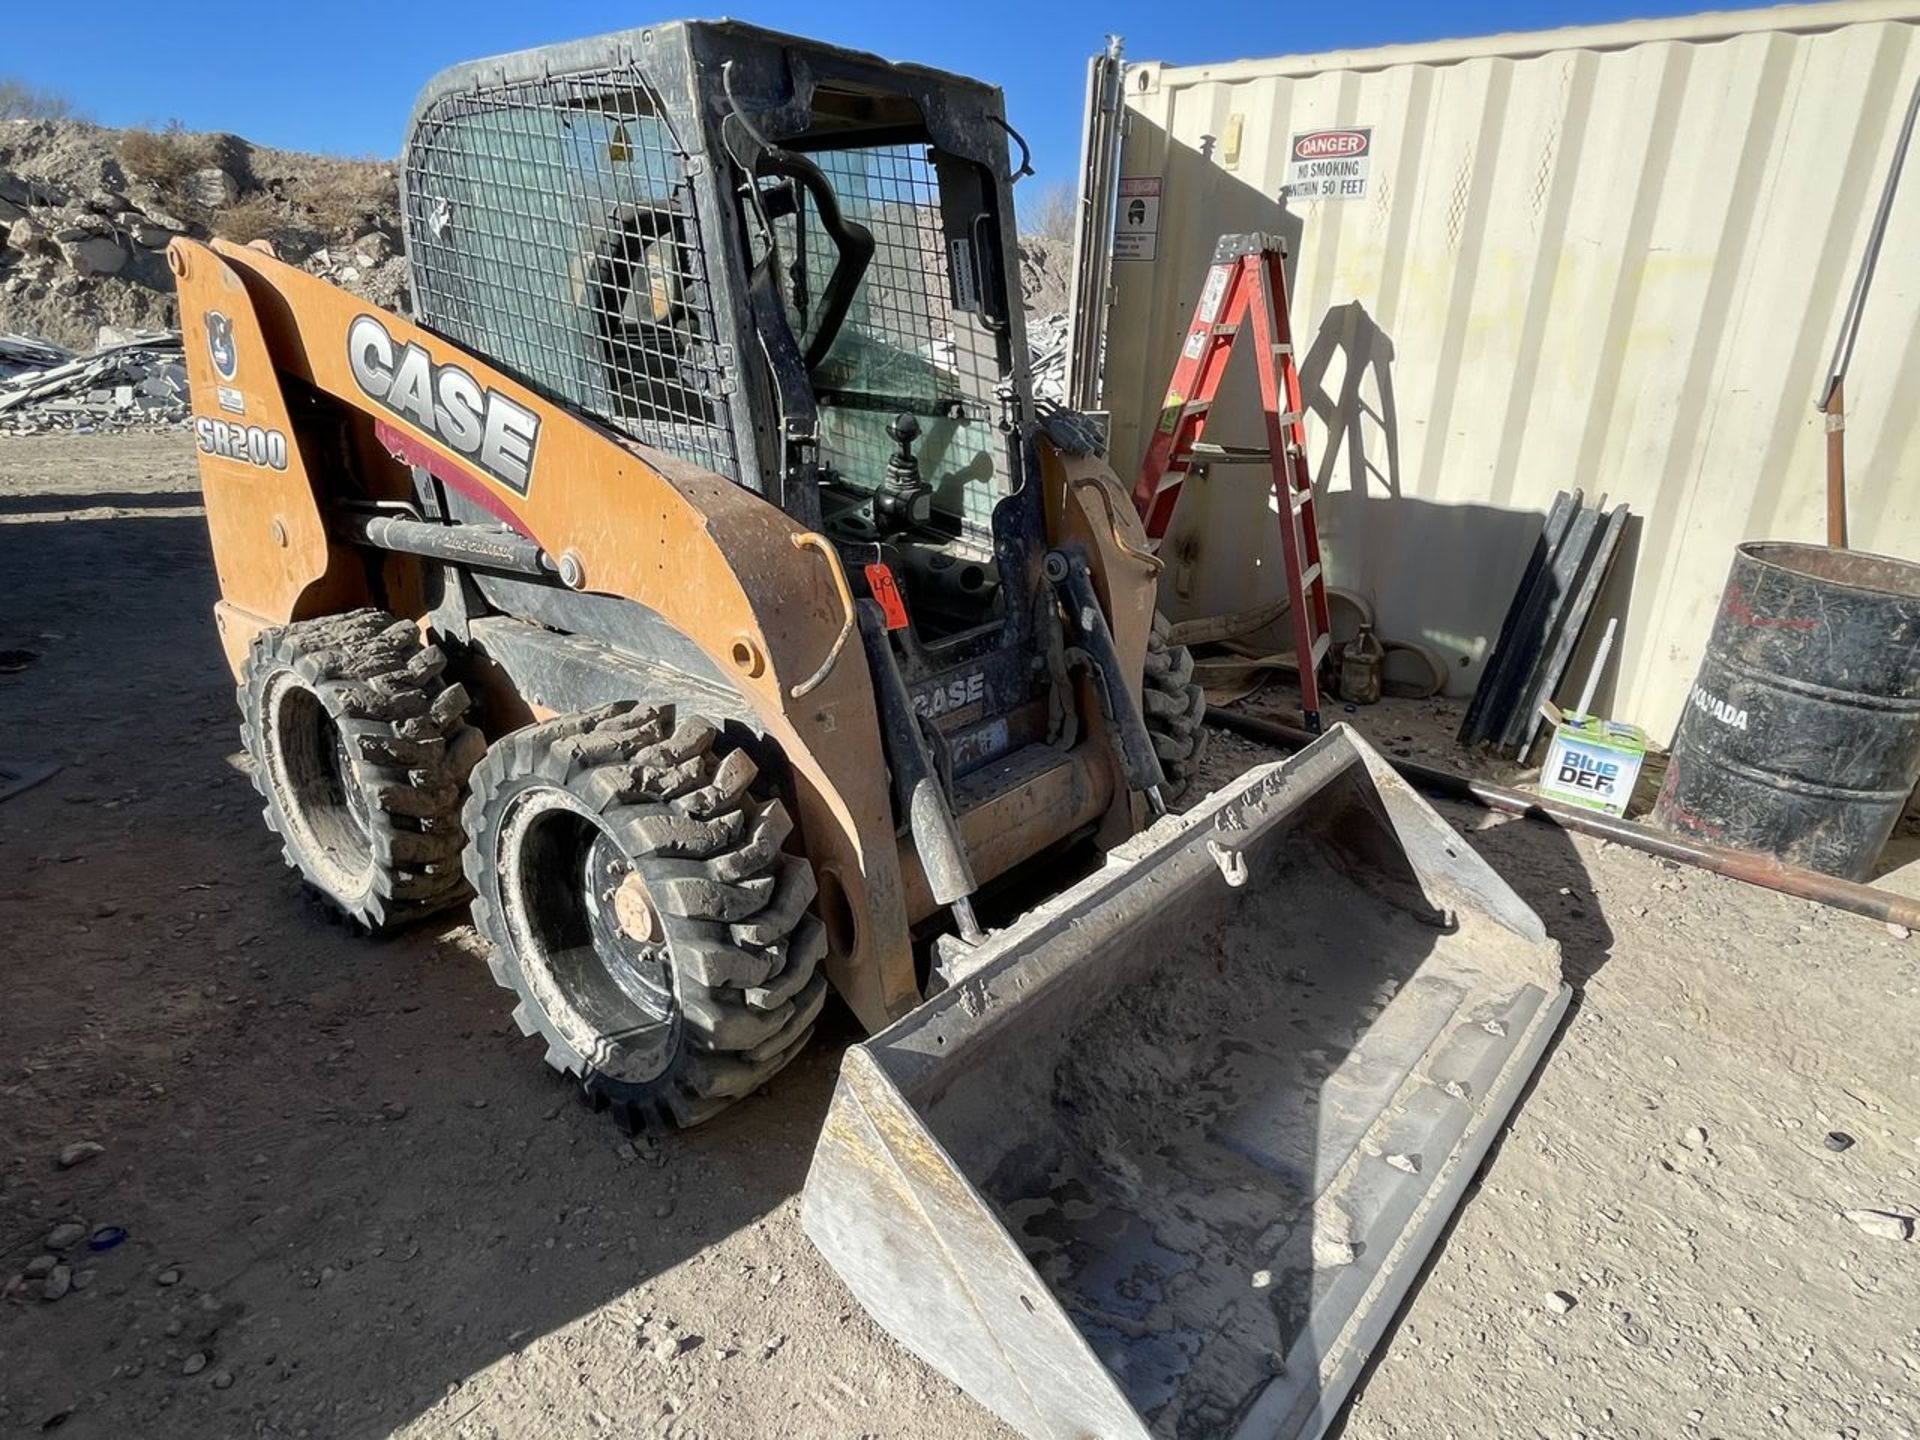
340, 75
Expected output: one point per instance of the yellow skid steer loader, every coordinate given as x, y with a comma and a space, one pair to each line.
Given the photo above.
689, 584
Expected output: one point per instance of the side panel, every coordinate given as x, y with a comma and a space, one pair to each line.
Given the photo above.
270, 546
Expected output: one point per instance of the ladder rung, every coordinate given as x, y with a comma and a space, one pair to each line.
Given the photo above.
1283, 347
1309, 576
1225, 331
1228, 454
1300, 499
1291, 417
1320, 648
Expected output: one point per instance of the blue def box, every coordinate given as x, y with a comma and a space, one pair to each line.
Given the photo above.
1594, 763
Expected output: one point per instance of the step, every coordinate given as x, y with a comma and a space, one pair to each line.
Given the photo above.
1229, 454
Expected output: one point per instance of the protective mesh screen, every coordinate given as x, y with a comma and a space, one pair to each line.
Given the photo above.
553, 232
904, 345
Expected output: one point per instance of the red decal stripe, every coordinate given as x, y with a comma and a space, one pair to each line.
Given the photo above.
409, 451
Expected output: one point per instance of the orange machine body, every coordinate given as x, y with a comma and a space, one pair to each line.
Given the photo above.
278, 407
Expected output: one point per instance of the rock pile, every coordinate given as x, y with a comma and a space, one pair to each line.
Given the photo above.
371, 267
130, 379
71, 260
86, 215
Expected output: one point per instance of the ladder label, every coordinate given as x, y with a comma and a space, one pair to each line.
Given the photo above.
1211, 297
1170, 409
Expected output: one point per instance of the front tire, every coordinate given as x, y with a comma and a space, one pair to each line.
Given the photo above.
360, 753
637, 901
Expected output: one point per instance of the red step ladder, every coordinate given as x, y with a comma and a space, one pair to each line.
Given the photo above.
1247, 284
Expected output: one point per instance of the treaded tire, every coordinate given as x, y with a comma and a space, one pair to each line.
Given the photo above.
361, 754
636, 899
1176, 707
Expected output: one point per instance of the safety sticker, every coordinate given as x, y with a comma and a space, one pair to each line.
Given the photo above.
1330, 164
1137, 234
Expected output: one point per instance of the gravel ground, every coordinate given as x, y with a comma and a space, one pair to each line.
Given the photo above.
356, 1204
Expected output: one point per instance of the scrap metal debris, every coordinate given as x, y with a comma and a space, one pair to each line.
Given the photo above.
1550, 608
133, 378
1047, 355
20, 354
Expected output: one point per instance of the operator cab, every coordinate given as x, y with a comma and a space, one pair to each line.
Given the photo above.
786, 263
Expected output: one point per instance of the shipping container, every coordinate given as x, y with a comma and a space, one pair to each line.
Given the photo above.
1611, 259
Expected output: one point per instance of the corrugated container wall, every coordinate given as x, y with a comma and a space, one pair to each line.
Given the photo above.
1610, 259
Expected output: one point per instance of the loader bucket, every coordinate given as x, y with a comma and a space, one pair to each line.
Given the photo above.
1167, 1157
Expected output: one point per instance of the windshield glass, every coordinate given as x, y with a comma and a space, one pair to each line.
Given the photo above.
904, 344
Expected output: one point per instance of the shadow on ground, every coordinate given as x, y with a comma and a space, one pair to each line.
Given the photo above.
41, 504
366, 1182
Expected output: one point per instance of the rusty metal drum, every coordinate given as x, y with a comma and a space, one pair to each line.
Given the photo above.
1801, 735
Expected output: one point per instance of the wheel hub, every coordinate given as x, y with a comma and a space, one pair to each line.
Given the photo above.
313, 778
634, 912
589, 937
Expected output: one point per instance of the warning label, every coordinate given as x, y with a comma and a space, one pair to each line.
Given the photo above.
1137, 234
1330, 164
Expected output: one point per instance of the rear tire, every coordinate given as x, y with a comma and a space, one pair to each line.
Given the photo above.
1176, 709
637, 901
361, 753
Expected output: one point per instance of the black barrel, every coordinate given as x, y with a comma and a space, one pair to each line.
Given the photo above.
1801, 735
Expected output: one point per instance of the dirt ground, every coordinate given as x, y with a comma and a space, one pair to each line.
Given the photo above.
356, 1204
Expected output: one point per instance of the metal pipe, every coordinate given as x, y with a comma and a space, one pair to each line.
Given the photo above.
1857, 301
1090, 264
1754, 869
1832, 400
1599, 664
1837, 466
482, 545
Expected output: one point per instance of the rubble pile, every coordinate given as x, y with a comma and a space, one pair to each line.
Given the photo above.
19, 353
130, 379
1047, 355
1046, 272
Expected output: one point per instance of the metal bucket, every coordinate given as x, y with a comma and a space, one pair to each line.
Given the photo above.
1167, 1158
1801, 735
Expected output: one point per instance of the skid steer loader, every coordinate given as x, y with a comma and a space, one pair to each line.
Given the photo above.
689, 582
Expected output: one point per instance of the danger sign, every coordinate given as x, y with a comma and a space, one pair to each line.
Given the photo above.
1330, 164
1136, 234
